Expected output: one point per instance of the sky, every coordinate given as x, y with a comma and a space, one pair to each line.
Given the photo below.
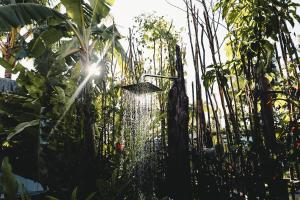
125, 10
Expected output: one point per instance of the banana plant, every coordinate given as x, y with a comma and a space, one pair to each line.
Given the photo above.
83, 18
82, 23
91, 37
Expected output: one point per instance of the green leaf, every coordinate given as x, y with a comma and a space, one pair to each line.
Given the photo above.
280, 103
286, 118
75, 11
290, 20
269, 78
107, 33
45, 39
50, 198
270, 49
33, 82
68, 48
217, 6
91, 196
18, 68
209, 78
232, 16
8, 180
293, 4
59, 96
101, 9
74, 194
16, 15
20, 127
5, 64
295, 15
120, 52
239, 93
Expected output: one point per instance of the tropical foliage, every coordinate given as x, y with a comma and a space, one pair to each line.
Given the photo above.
71, 125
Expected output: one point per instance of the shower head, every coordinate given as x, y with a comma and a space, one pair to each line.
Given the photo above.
146, 87
142, 88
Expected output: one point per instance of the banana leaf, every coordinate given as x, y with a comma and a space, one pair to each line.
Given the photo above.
18, 15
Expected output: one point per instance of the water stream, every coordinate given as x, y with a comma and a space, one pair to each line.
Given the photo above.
138, 136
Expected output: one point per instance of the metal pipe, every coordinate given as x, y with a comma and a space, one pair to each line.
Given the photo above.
158, 76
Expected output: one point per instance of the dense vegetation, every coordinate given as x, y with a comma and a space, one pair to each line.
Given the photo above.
71, 126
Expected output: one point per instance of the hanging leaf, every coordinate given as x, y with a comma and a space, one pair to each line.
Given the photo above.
101, 9
5, 64
8, 180
20, 127
91, 196
209, 78
68, 48
74, 194
45, 39
50, 198
217, 6
75, 11
18, 15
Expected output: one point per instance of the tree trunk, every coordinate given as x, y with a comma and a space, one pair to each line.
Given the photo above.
267, 115
178, 171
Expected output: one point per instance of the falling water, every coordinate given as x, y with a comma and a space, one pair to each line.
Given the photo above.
138, 134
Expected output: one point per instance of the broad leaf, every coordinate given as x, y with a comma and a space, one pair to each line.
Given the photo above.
91, 196
5, 64
101, 9
50, 198
17, 15
8, 180
20, 127
107, 33
75, 11
46, 39
74, 194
